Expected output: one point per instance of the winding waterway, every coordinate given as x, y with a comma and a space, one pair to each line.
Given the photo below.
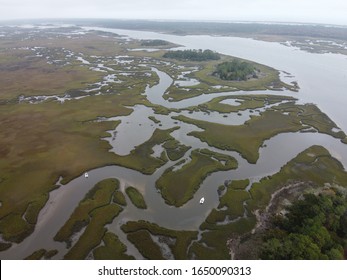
322, 80
322, 77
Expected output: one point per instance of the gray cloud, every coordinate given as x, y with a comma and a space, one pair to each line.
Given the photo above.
320, 11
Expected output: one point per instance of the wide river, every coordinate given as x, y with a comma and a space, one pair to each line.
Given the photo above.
322, 79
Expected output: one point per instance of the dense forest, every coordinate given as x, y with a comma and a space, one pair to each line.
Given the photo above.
194, 55
314, 228
235, 70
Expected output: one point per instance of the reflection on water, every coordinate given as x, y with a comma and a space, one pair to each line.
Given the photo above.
132, 131
187, 83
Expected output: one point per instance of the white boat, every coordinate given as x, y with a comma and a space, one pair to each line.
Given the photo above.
202, 200
86, 175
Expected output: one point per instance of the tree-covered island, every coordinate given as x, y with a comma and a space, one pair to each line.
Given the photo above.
193, 55
236, 70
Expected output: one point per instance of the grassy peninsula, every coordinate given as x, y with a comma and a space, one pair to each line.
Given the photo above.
179, 186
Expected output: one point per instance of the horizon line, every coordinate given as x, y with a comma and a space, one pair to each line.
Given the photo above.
181, 20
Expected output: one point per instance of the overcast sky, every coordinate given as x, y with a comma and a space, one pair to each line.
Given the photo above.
311, 11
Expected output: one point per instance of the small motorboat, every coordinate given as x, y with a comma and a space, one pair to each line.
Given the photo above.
202, 200
86, 175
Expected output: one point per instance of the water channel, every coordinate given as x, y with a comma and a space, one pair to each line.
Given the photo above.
322, 80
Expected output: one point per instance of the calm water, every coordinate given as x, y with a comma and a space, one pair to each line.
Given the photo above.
322, 77
322, 80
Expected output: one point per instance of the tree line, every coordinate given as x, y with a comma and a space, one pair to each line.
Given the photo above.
235, 70
314, 228
193, 55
